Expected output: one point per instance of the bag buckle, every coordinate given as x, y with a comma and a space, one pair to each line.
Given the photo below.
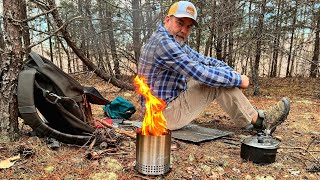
56, 96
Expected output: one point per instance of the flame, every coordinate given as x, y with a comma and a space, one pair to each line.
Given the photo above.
154, 122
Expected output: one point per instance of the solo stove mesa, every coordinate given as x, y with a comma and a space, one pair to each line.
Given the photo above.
153, 142
153, 154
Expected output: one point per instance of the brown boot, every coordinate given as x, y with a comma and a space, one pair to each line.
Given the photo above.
273, 116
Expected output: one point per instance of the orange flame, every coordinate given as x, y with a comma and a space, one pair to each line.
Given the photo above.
154, 122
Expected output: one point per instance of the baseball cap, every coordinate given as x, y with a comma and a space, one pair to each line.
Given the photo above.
184, 9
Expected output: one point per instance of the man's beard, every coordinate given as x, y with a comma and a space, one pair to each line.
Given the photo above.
179, 39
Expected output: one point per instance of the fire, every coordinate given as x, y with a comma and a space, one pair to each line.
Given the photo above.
154, 122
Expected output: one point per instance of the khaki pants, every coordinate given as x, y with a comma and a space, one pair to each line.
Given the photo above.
192, 102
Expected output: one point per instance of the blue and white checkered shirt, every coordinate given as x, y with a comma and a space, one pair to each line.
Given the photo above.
166, 65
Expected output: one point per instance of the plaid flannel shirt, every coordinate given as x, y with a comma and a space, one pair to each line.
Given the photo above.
166, 65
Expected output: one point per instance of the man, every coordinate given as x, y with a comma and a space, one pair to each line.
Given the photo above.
188, 81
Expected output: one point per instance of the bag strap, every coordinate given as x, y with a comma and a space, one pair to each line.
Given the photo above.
54, 98
25, 91
37, 59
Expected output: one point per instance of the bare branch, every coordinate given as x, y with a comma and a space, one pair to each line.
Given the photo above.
41, 14
55, 32
34, 17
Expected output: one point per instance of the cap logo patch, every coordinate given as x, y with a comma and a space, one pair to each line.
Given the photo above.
190, 10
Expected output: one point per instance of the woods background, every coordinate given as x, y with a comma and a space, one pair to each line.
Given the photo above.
270, 38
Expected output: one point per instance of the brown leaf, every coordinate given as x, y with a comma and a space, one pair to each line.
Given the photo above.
4, 164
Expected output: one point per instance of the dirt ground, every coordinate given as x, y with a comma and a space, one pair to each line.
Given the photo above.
298, 154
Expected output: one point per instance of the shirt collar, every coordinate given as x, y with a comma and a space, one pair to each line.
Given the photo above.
161, 28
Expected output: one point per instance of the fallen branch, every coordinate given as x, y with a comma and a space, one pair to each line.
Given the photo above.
117, 129
303, 149
312, 141
290, 147
119, 153
111, 150
92, 143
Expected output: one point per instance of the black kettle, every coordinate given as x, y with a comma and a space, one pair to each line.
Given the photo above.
260, 149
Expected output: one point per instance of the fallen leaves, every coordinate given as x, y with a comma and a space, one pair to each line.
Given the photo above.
7, 163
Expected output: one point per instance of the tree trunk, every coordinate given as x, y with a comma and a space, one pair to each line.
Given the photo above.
291, 40
112, 43
219, 41
59, 52
199, 30
1, 41
225, 45
149, 18
10, 67
67, 53
259, 34
95, 41
249, 57
276, 43
83, 30
136, 28
294, 53
232, 6
50, 38
315, 59
25, 32
104, 39
280, 64
208, 44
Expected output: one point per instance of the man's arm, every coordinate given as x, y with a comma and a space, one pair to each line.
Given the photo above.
215, 62
205, 59
170, 55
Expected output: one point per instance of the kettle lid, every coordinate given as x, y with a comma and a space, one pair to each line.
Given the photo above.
262, 141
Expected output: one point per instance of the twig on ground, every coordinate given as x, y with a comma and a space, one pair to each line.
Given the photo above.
92, 143
119, 153
303, 149
289, 147
117, 129
108, 150
311, 142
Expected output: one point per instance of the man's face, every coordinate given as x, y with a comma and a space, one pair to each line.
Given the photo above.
180, 28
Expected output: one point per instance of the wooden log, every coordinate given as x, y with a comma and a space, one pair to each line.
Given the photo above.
133, 136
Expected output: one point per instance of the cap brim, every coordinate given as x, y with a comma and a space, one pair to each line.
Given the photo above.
184, 15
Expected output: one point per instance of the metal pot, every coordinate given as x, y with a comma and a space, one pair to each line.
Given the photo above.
260, 149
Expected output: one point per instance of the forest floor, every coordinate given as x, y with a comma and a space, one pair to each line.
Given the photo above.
299, 149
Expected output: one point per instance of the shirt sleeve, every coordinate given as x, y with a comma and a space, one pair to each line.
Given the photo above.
210, 71
206, 60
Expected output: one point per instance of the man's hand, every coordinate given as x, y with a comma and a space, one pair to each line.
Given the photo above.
244, 82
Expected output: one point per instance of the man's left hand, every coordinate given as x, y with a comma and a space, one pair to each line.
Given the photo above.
244, 82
